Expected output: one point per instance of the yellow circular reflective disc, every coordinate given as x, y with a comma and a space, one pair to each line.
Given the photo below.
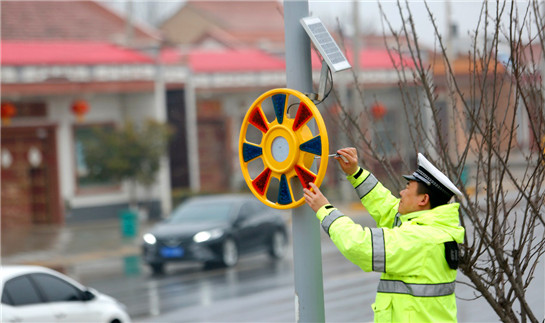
286, 150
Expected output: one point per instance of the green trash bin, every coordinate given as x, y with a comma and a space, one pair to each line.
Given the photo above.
129, 223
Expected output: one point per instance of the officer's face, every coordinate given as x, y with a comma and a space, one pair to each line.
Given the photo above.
411, 201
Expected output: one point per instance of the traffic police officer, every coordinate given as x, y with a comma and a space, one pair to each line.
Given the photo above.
415, 244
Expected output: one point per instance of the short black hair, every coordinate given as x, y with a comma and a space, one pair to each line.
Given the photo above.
436, 197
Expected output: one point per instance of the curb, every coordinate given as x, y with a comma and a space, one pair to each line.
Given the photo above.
63, 262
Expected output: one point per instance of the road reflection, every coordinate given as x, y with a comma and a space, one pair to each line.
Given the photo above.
154, 302
190, 285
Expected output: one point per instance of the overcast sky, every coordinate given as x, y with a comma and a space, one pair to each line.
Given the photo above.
465, 13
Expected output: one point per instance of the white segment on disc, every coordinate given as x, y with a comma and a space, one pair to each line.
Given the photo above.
280, 149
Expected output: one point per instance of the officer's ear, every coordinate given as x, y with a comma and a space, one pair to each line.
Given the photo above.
424, 200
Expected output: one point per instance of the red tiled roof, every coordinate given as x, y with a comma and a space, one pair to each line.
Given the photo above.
225, 60
230, 60
200, 60
219, 35
378, 59
241, 22
65, 20
68, 53
370, 59
244, 16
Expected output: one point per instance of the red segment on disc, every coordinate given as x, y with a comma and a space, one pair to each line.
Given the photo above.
305, 176
303, 115
257, 119
261, 182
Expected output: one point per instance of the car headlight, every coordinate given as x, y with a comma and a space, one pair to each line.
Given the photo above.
207, 235
149, 238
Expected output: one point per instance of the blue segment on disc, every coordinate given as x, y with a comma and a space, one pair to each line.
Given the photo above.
284, 196
279, 102
313, 146
250, 152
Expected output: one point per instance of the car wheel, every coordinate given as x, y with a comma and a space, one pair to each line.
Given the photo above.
229, 253
157, 268
277, 248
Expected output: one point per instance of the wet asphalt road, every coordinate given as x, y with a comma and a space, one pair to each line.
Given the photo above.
259, 290
256, 289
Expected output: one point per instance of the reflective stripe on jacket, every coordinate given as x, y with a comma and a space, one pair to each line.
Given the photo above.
417, 284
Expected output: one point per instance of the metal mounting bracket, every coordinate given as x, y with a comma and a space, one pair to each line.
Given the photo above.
321, 86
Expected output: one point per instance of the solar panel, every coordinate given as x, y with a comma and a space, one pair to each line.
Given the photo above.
325, 44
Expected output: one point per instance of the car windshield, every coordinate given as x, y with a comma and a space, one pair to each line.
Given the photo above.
209, 211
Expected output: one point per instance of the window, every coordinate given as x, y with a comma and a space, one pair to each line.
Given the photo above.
6, 298
84, 135
55, 289
31, 109
386, 134
20, 291
475, 116
523, 120
249, 209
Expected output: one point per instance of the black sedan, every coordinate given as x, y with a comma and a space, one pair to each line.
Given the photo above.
215, 229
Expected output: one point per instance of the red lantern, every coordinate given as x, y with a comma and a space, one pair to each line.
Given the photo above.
378, 110
8, 111
80, 108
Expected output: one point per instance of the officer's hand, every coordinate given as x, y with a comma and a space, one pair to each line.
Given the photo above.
315, 199
350, 166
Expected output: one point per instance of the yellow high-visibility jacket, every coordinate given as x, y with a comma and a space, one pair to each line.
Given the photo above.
417, 284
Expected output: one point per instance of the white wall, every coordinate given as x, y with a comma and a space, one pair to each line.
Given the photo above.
103, 108
141, 106
235, 107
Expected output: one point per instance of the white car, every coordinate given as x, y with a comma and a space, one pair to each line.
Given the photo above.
39, 294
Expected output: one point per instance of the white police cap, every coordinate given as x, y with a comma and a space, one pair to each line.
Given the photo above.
431, 176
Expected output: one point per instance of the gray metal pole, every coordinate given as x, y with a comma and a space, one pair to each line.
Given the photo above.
307, 256
192, 133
